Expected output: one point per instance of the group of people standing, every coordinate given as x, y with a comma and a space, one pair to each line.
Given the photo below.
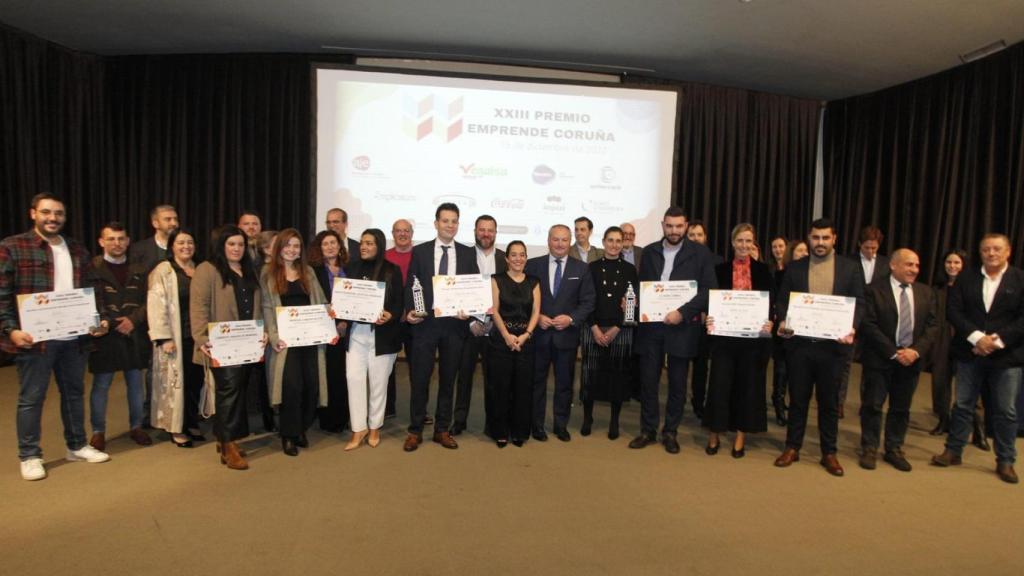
155, 303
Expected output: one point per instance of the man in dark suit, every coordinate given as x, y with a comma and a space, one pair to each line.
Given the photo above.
814, 364
672, 258
337, 220
986, 310
146, 254
630, 251
899, 328
583, 249
445, 336
251, 224
567, 297
491, 261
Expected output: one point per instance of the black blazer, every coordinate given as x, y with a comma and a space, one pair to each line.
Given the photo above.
881, 271
965, 309
500, 265
881, 318
692, 262
421, 266
353, 249
145, 255
761, 278
576, 298
848, 281
388, 336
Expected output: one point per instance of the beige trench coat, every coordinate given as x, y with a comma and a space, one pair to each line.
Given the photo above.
167, 409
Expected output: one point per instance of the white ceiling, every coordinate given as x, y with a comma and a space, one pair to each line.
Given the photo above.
824, 49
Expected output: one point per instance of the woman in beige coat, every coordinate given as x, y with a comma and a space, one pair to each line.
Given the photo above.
225, 289
176, 384
297, 375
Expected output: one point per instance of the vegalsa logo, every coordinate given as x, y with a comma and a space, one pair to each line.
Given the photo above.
361, 163
542, 174
473, 171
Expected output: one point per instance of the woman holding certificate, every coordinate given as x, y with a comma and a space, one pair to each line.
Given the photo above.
607, 344
176, 383
297, 373
735, 398
510, 365
328, 258
373, 347
225, 289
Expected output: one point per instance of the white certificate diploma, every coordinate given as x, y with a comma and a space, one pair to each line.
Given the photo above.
305, 325
235, 343
657, 299
820, 315
62, 314
466, 293
738, 313
358, 300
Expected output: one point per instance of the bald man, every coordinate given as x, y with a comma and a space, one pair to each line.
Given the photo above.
630, 251
899, 327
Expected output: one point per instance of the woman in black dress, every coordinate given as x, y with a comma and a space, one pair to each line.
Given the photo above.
510, 362
328, 257
736, 392
607, 344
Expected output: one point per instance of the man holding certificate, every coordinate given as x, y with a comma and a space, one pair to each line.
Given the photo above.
815, 351
37, 268
674, 263
430, 333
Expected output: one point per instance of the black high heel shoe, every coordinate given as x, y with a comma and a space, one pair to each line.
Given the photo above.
302, 441
185, 444
289, 447
711, 450
518, 442
502, 442
739, 453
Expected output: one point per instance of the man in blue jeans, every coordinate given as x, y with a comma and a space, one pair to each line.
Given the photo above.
42, 260
121, 295
986, 308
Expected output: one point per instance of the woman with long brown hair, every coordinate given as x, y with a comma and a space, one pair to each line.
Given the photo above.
297, 375
328, 257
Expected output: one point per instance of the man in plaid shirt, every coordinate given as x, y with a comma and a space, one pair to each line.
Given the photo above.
42, 260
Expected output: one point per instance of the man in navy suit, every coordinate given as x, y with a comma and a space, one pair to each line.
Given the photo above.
566, 299
815, 363
986, 308
441, 257
899, 328
671, 258
337, 220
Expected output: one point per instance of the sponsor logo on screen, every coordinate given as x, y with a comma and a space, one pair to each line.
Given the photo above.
475, 171
508, 203
361, 163
543, 174
458, 199
429, 115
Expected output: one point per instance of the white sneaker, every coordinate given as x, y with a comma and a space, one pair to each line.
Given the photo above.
32, 469
87, 454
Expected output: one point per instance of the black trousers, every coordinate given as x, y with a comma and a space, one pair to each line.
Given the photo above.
474, 349
699, 378
546, 355
814, 367
231, 422
334, 416
510, 390
448, 346
193, 375
652, 358
898, 383
299, 391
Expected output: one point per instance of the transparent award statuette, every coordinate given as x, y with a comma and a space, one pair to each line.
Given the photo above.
629, 312
419, 307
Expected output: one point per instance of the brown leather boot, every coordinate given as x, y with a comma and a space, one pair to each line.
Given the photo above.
232, 457
98, 441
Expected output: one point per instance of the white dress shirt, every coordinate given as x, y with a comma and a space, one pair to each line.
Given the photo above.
438, 252
486, 262
989, 287
869, 268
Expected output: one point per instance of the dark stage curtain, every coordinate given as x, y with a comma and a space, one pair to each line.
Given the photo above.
745, 156
934, 163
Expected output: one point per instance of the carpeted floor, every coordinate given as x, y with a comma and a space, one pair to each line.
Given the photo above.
589, 507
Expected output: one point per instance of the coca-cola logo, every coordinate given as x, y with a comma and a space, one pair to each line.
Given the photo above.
361, 163
542, 174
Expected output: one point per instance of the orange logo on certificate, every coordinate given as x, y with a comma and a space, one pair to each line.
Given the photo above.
42, 299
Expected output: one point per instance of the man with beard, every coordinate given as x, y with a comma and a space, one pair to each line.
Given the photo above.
814, 364
671, 258
43, 260
491, 261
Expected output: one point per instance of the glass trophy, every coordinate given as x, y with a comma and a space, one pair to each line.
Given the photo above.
419, 307
629, 312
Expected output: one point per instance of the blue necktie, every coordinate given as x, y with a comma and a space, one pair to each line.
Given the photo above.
558, 276
442, 268
905, 332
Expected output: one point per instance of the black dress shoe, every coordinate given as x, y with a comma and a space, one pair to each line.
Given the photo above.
540, 435
501, 443
711, 450
642, 441
980, 442
942, 427
302, 441
289, 447
739, 453
562, 434
587, 427
670, 443
613, 430
518, 443
898, 461
1006, 473
780, 415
